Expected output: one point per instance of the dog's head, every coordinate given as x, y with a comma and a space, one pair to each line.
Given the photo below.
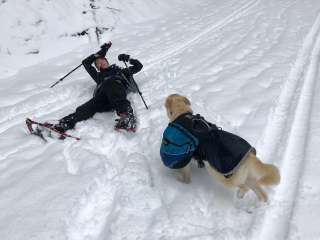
176, 105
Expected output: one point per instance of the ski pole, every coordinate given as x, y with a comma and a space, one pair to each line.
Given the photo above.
61, 79
136, 85
105, 45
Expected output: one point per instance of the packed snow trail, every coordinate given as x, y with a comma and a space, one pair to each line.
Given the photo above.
305, 71
249, 66
307, 201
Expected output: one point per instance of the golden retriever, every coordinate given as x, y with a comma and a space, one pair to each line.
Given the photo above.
252, 173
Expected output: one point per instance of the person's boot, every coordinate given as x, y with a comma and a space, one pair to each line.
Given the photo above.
61, 127
127, 121
65, 124
58, 128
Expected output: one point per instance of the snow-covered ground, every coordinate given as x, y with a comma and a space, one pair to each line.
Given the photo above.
37, 30
250, 66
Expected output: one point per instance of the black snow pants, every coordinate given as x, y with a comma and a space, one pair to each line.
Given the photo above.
110, 95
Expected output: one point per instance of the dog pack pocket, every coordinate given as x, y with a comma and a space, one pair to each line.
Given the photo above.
177, 147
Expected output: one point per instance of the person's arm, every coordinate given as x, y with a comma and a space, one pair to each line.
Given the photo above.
136, 65
87, 63
103, 51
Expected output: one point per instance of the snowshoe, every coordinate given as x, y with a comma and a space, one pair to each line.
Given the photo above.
127, 121
44, 130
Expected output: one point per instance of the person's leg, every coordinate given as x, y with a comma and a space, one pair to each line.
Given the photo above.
83, 112
116, 94
117, 97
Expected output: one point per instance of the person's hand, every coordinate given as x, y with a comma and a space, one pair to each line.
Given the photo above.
106, 45
124, 57
133, 61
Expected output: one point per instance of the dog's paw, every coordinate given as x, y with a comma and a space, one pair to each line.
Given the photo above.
184, 179
249, 203
240, 194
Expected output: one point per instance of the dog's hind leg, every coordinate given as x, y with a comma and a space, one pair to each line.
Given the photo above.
243, 189
254, 186
184, 174
218, 176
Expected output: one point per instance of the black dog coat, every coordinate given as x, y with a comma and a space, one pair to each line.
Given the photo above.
223, 150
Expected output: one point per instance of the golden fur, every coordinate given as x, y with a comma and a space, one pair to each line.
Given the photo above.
252, 174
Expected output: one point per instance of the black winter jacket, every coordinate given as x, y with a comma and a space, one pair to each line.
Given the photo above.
223, 150
113, 72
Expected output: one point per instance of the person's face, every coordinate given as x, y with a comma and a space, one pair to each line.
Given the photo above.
102, 63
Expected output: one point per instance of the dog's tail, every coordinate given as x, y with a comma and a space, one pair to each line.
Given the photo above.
266, 174
271, 175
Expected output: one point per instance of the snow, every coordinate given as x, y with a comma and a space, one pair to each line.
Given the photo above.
250, 66
37, 30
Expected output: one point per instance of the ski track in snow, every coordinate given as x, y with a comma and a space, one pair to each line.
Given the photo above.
244, 9
126, 193
275, 223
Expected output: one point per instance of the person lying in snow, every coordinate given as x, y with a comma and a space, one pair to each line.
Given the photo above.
113, 84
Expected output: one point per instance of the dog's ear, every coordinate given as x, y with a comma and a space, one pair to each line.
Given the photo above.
168, 102
186, 100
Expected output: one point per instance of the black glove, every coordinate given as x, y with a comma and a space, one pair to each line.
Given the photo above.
133, 61
124, 57
106, 45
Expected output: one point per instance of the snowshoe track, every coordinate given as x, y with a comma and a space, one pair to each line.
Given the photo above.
291, 119
242, 10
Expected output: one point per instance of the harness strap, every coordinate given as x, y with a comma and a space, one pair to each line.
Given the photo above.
196, 119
